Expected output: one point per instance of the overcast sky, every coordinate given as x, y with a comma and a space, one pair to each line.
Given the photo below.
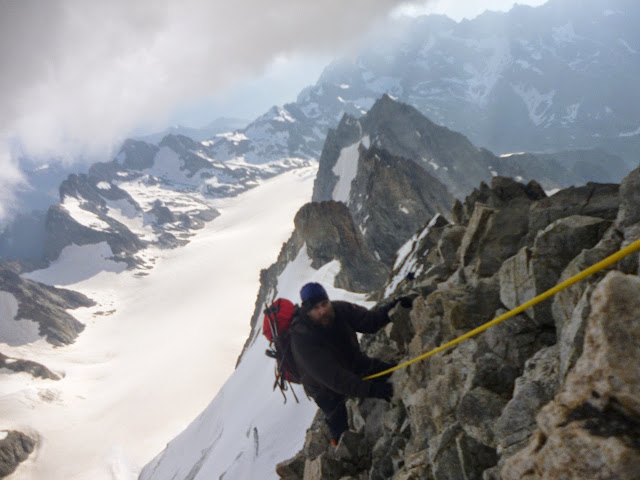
81, 75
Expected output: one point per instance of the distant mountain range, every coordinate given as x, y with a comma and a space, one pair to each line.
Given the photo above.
219, 125
557, 77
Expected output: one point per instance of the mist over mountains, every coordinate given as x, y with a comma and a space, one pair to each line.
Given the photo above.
560, 77
534, 79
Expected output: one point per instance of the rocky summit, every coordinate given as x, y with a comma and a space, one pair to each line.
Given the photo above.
550, 393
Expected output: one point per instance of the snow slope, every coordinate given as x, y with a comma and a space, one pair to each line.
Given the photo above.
247, 429
158, 344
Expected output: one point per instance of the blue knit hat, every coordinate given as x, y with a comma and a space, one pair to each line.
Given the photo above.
312, 293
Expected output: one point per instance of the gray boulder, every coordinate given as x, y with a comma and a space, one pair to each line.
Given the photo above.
594, 199
533, 271
533, 389
14, 449
591, 428
571, 307
497, 226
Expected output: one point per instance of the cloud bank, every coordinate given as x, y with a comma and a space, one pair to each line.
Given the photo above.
79, 75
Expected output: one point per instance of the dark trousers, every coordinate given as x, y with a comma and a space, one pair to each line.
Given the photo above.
333, 404
335, 412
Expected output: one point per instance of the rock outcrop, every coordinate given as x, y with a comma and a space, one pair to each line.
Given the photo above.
391, 198
591, 429
324, 232
15, 447
551, 393
34, 369
45, 305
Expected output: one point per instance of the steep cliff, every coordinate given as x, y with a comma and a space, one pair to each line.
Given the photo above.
550, 393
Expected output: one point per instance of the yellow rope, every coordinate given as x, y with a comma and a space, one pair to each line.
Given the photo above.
601, 265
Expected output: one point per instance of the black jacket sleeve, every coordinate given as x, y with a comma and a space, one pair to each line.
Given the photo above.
318, 363
361, 319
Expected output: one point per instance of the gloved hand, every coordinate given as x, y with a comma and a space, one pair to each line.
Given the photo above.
406, 301
381, 389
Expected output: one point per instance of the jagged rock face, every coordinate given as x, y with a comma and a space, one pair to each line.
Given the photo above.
404, 132
593, 199
138, 155
389, 196
497, 225
473, 412
503, 192
45, 305
62, 230
629, 213
592, 427
14, 448
447, 155
329, 233
535, 270
390, 199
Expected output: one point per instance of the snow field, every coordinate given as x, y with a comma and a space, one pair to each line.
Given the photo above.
156, 348
247, 429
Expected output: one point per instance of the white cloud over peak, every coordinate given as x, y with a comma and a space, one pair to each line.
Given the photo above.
80, 75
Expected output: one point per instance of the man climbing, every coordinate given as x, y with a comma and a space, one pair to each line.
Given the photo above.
327, 354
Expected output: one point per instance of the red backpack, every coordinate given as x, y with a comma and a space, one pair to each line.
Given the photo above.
278, 317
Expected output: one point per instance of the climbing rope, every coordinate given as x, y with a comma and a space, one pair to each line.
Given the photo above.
601, 265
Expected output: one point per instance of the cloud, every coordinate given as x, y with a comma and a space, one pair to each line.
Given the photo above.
85, 72
79, 75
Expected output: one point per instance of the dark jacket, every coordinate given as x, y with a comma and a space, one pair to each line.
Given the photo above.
329, 359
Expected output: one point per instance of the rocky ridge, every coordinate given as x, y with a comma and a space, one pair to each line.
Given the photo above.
533, 397
448, 155
543, 78
148, 196
45, 305
487, 78
377, 202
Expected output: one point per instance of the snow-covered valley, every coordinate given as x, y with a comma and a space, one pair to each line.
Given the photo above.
157, 346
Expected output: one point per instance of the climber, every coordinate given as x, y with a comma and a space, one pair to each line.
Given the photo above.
328, 357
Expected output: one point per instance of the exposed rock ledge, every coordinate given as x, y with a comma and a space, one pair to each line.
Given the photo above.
15, 447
